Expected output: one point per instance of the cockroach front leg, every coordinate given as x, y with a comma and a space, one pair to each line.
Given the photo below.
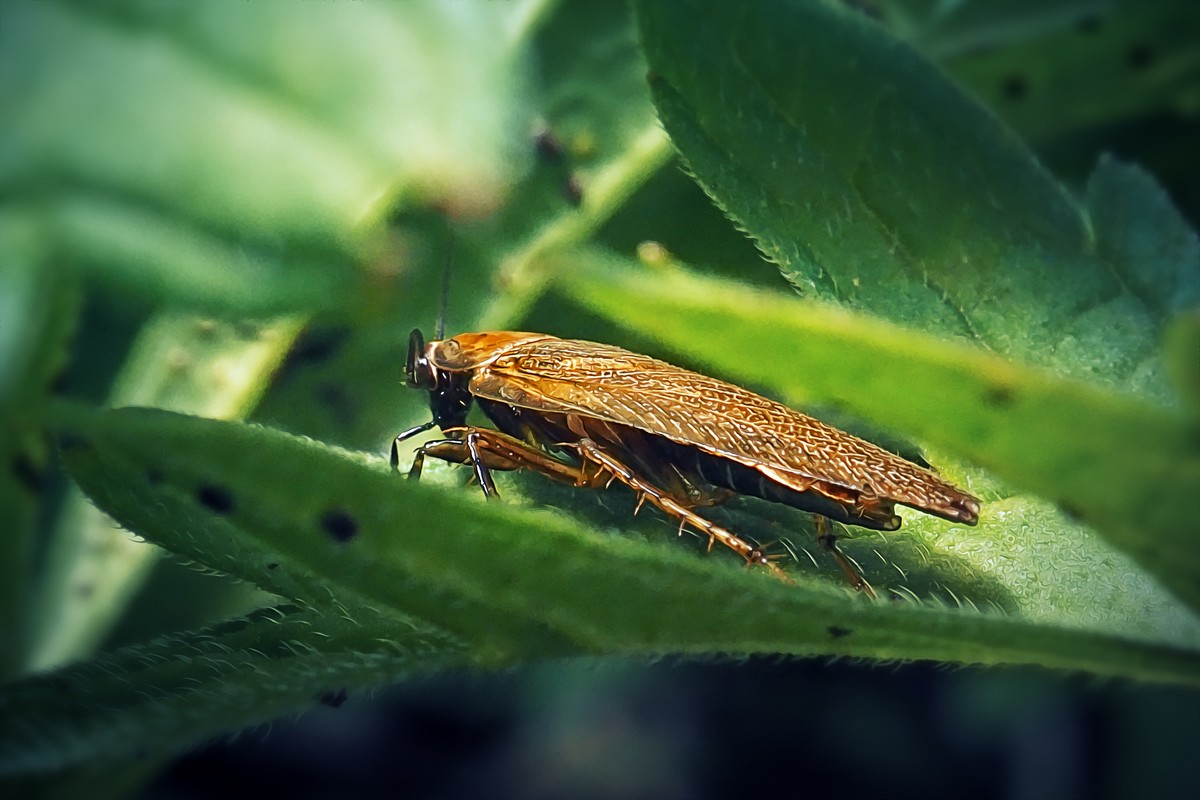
408, 434
466, 450
486, 450
461, 451
590, 451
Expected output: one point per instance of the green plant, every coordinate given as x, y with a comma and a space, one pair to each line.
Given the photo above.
953, 291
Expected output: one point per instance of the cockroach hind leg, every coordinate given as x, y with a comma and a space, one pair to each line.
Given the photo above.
828, 541
763, 551
756, 556
593, 480
589, 450
683, 523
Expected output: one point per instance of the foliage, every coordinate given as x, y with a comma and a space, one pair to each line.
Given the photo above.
257, 203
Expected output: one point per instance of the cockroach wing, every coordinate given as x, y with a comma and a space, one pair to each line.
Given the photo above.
611, 384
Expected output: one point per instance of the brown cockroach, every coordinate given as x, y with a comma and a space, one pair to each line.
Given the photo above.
589, 414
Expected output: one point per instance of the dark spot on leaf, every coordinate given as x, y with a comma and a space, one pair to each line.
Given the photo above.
865, 7
274, 565
573, 191
314, 345
334, 698
28, 474
154, 476
59, 383
999, 396
247, 330
1089, 23
215, 498
1071, 512
1014, 87
837, 631
85, 590
72, 441
1140, 56
340, 405
547, 145
339, 524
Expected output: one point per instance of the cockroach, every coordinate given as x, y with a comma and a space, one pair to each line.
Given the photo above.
590, 414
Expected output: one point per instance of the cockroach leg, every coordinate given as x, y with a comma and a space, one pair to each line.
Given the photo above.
591, 451
486, 450
437, 449
414, 472
408, 434
493, 450
828, 540
482, 473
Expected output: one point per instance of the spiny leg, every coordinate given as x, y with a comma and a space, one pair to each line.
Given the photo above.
496, 450
590, 451
828, 540
482, 473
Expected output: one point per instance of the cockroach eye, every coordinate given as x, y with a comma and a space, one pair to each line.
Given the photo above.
418, 373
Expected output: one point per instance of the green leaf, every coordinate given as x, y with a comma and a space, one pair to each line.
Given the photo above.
338, 531
160, 697
873, 181
38, 308
1126, 468
92, 568
376, 97
178, 152
1182, 346
970, 28
1149, 244
1054, 69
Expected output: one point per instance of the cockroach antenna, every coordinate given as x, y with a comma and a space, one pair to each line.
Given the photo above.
444, 301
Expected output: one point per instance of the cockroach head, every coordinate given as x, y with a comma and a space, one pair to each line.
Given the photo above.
419, 373
449, 392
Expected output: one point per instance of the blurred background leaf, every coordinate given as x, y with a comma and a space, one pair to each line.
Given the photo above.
179, 98
38, 305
